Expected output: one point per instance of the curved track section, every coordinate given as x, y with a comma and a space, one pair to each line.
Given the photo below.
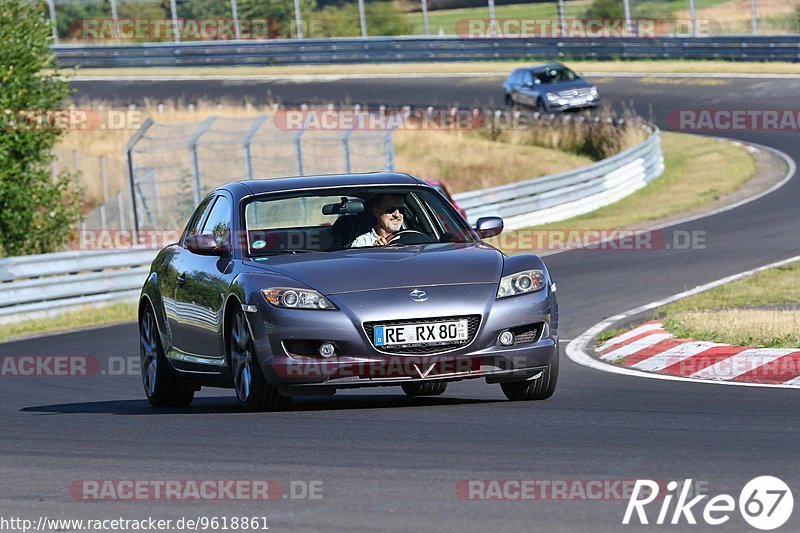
391, 463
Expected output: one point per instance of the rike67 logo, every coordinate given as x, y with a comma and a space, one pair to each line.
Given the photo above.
765, 502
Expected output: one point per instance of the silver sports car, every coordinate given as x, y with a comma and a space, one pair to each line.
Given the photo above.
305, 285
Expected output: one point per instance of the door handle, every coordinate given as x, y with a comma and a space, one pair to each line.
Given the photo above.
182, 280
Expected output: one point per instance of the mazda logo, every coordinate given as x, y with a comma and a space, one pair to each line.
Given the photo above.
418, 295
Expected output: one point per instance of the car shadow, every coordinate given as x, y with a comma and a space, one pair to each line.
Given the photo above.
223, 405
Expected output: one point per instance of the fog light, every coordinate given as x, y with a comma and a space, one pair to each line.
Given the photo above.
326, 349
506, 338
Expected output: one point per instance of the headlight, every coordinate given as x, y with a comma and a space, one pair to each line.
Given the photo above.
551, 96
593, 91
297, 299
521, 283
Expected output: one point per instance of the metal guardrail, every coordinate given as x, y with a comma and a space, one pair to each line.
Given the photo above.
416, 49
37, 286
571, 193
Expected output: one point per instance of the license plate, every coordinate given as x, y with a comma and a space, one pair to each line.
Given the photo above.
427, 333
577, 101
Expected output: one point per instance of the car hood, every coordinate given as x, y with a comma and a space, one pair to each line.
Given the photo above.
567, 85
366, 269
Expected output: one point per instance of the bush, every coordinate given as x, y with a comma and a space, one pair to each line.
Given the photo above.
36, 215
383, 18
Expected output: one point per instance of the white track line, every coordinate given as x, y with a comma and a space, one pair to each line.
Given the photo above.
579, 349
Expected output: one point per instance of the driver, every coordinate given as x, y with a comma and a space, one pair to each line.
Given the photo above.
388, 210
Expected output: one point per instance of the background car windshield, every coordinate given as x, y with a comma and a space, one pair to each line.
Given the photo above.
556, 74
297, 223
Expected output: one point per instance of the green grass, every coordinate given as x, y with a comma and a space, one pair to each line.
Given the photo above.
90, 316
744, 313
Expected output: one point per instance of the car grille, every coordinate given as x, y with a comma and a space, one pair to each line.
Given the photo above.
528, 334
571, 93
473, 322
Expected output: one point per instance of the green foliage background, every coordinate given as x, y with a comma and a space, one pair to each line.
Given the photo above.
36, 215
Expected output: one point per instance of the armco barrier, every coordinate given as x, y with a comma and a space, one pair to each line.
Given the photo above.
415, 49
571, 193
38, 286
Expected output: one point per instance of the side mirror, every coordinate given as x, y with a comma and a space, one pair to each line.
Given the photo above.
205, 245
489, 226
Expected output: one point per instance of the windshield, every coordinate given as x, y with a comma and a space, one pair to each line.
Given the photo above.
348, 218
556, 74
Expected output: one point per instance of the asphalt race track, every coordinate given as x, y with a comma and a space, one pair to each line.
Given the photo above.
391, 463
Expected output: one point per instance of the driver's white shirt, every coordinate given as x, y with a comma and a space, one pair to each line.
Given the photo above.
368, 239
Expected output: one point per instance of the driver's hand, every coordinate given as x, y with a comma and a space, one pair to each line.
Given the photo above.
381, 241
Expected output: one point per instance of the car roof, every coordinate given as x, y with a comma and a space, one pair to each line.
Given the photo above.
321, 181
541, 66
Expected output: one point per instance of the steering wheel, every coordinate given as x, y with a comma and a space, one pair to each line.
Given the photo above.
398, 237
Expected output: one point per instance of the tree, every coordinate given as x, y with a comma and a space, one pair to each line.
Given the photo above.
36, 214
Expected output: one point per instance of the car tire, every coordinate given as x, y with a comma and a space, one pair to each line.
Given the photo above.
427, 388
540, 107
540, 388
161, 386
252, 389
509, 101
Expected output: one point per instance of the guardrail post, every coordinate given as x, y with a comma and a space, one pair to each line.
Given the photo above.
246, 141
104, 179
425, 29
754, 16
115, 18
627, 5
388, 150
346, 150
362, 18
132, 142
52, 6
121, 207
195, 160
298, 19
235, 14
693, 18
298, 153
176, 25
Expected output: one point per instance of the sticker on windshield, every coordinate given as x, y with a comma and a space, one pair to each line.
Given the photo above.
259, 244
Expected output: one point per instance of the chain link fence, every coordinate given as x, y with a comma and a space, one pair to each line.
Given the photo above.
172, 166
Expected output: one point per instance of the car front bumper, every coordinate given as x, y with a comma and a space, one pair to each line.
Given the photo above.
359, 364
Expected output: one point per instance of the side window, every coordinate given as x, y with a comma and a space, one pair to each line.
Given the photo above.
193, 227
218, 223
527, 77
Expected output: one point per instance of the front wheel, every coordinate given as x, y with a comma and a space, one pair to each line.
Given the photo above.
161, 386
540, 388
252, 389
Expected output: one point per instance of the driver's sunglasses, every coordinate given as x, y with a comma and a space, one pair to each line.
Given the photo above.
392, 208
